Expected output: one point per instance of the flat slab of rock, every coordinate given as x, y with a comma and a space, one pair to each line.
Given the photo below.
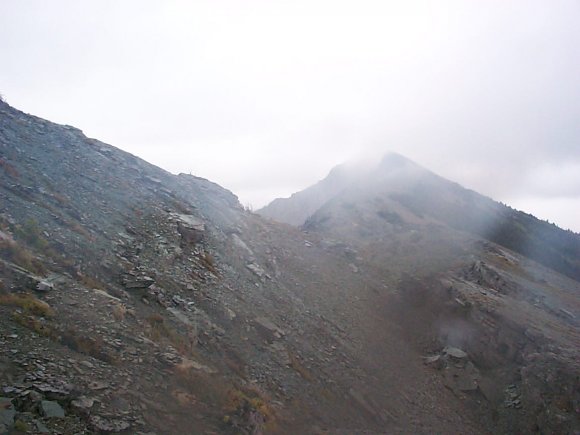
106, 425
189, 221
44, 286
50, 409
7, 413
191, 228
256, 270
138, 282
181, 316
432, 359
270, 326
455, 352
83, 404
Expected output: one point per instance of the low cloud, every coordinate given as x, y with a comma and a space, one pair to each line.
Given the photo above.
265, 97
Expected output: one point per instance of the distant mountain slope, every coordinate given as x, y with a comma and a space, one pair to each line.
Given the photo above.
399, 193
301, 205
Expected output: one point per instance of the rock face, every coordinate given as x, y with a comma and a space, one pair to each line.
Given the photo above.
136, 301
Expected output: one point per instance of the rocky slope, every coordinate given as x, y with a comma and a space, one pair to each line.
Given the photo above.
136, 301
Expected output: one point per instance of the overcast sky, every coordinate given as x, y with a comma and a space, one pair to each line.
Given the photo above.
264, 97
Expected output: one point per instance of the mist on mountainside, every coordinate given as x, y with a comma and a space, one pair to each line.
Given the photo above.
401, 192
265, 99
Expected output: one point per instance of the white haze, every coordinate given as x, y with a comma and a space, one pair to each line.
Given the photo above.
264, 97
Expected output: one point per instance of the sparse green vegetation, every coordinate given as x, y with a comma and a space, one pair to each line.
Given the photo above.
21, 426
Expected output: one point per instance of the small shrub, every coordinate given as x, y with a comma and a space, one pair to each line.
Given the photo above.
208, 262
79, 229
20, 426
90, 282
119, 312
246, 407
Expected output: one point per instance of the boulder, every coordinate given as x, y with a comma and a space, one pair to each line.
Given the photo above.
269, 327
50, 409
455, 352
44, 286
83, 405
7, 414
256, 269
191, 228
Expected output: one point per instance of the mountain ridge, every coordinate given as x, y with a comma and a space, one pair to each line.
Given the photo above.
426, 194
135, 301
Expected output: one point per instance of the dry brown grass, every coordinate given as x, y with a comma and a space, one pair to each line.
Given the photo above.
208, 262
28, 303
299, 368
17, 254
34, 324
160, 330
252, 398
31, 233
119, 312
30, 312
61, 199
79, 229
10, 170
89, 346
90, 282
